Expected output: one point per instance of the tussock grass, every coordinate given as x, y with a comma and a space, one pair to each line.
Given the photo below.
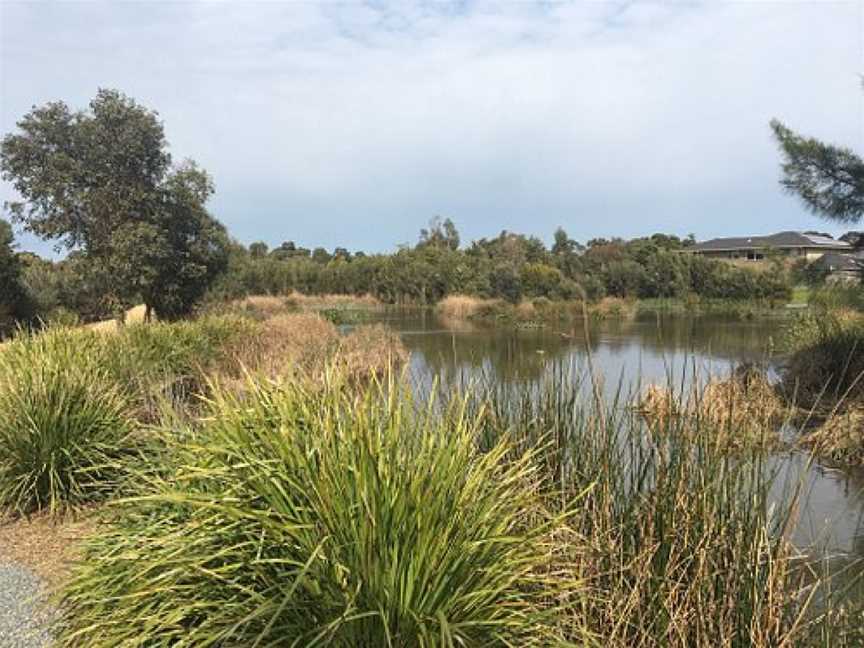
261, 306
326, 301
740, 411
840, 437
66, 426
368, 351
306, 345
537, 312
463, 307
313, 517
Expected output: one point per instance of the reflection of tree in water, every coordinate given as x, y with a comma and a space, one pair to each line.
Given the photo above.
512, 359
509, 355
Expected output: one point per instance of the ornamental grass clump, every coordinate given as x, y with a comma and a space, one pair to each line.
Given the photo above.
66, 428
742, 410
312, 516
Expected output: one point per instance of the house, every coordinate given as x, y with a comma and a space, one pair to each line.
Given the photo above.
788, 244
840, 267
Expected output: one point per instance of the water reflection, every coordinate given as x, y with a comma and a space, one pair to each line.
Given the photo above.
630, 354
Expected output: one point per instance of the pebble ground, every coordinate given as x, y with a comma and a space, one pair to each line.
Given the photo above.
23, 614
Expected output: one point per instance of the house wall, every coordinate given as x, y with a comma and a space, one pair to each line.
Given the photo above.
743, 254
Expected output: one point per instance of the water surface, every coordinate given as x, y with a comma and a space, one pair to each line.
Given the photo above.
631, 354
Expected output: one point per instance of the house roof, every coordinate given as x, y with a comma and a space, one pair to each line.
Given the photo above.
834, 262
779, 240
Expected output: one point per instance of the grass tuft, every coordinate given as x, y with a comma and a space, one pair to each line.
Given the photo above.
65, 425
314, 517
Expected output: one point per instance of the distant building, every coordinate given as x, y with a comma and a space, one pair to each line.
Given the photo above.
755, 248
840, 267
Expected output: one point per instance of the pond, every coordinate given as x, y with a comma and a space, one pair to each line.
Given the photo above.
631, 354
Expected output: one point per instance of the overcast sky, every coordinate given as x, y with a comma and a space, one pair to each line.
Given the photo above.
353, 124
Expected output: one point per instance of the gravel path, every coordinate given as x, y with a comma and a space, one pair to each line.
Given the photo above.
22, 617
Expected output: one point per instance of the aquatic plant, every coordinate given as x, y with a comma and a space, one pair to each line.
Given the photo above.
682, 543
742, 410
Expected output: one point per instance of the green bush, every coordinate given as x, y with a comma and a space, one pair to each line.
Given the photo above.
825, 368
838, 296
318, 518
158, 360
65, 425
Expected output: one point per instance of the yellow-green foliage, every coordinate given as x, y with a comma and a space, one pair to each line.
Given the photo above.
312, 517
66, 425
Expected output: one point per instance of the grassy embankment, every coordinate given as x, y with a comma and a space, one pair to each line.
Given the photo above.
310, 505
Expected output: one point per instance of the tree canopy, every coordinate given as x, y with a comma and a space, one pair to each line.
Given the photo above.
829, 179
13, 298
102, 182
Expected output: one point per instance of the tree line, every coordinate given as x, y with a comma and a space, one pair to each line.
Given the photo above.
102, 184
510, 266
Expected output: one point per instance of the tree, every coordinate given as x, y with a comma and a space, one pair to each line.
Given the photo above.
14, 304
829, 179
441, 233
258, 250
855, 239
102, 182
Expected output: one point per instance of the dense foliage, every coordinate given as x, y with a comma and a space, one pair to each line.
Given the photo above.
311, 517
510, 266
101, 182
829, 179
14, 302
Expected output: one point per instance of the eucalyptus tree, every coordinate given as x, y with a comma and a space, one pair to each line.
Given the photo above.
101, 181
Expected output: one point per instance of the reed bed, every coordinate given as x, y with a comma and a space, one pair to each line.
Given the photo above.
825, 368
740, 411
319, 302
464, 307
537, 312
683, 544
840, 438
306, 346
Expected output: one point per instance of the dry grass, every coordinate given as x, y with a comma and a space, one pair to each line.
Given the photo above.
290, 344
306, 345
613, 308
371, 350
318, 302
742, 410
46, 545
134, 315
260, 306
462, 307
840, 437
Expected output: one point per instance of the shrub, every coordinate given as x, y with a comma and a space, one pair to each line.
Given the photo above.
298, 343
826, 364
317, 518
161, 359
372, 350
65, 425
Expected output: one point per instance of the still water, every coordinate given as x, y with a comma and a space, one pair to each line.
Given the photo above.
632, 354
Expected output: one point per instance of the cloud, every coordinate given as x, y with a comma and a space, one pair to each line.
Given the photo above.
352, 124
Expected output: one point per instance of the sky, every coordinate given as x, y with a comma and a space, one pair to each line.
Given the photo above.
353, 124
